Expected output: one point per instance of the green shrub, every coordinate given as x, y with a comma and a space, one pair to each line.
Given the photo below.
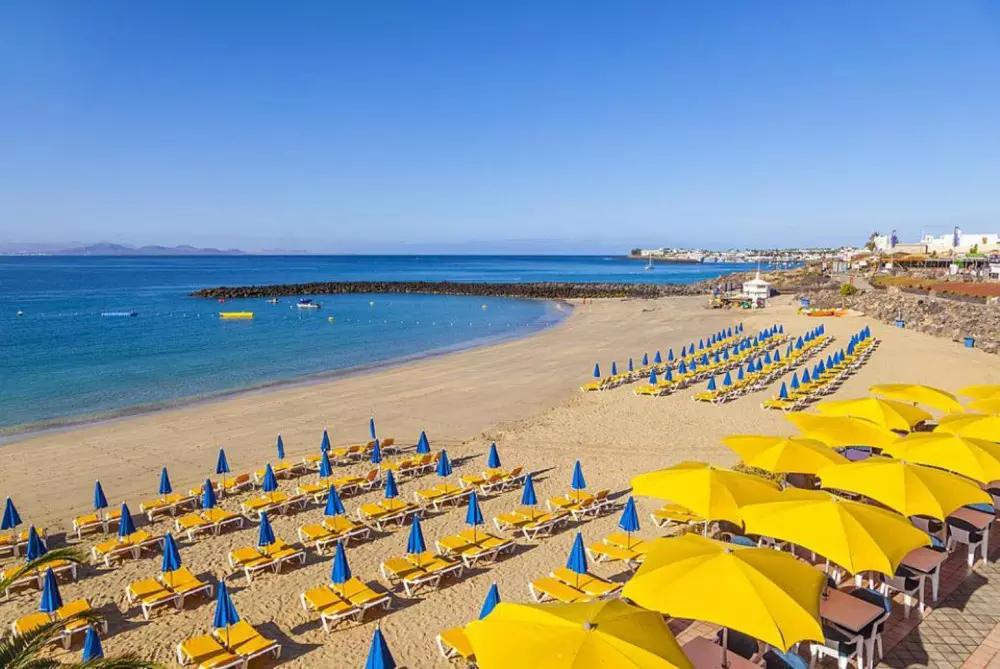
847, 290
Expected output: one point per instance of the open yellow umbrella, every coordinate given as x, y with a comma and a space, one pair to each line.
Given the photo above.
609, 634
858, 537
981, 392
767, 594
930, 396
990, 405
974, 426
889, 414
841, 431
912, 490
707, 491
783, 455
977, 459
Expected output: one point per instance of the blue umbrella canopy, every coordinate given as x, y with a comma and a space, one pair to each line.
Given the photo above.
171, 556
222, 465
265, 535
652, 377
777, 355
325, 469
631, 366
614, 368
491, 601
739, 373
711, 384
325, 444
805, 376
281, 447
371, 428
727, 380
645, 359
35, 548
694, 366
795, 381
725, 354
629, 522
126, 525
379, 656
423, 446
341, 572
225, 611
528, 497
799, 343
682, 367
390, 486
334, 507
657, 358
92, 645
165, 487
669, 375
376, 453
701, 344
767, 358
208, 499
670, 355
415, 545
577, 561
51, 599
493, 461
270, 483
100, 501
716, 359
597, 370
444, 465
578, 482
474, 515
783, 393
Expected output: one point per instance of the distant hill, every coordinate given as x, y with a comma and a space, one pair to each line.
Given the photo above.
111, 249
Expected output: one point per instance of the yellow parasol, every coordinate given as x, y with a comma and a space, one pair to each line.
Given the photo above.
608, 634
839, 431
973, 426
912, 490
981, 392
977, 459
858, 537
889, 414
707, 491
783, 455
930, 396
990, 405
767, 594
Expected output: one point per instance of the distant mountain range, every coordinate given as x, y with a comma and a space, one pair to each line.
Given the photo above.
110, 249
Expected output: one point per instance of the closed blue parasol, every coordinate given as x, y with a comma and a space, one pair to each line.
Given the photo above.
794, 385
577, 561
376, 453
474, 515
51, 599
597, 370
325, 469
777, 355
614, 368
631, 365
578, 483
652, 377
92, 645
126, 525
171, 556
670, 355
100, 501
165, 487
423, 446
727, 380
805, 375
645, 359
35, 548
371, 428
334, 507
225, 611
281, 448
324, 445
711, 384
208, 499
491, 601
528, 497
682, 367
341, 572
270, 483
379, 656
265, 535
493, 461
415, 545
669, 375
444, 465
222, 464
657, 358
739, 373
391, 490
783, 393
629, 522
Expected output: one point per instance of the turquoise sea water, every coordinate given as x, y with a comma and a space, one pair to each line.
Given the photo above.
62, 361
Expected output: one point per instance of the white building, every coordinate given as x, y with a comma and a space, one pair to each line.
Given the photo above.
957, 242
757, 290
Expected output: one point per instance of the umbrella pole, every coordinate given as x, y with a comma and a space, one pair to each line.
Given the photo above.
725, 648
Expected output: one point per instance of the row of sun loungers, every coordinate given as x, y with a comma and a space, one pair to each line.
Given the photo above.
233, 646
826, 383
34, 578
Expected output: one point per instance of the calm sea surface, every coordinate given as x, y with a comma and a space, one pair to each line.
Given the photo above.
62, 360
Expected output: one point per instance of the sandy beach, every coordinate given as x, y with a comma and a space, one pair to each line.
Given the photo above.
523, 394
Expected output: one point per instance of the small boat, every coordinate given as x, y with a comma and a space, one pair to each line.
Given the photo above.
273, 300
650, 265
308, 304
235, 315
119, 314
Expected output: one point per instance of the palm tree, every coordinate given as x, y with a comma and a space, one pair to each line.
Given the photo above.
22, 652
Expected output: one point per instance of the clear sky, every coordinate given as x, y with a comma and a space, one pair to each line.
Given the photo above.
550, 125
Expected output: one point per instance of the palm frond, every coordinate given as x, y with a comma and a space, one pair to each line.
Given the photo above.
20, 652
56, 554
126, 661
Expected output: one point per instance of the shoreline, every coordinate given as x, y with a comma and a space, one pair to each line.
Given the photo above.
15, 433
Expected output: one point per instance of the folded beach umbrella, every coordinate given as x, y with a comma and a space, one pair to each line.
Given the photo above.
682, 367
657, 358
919, 394
712, 339
222, 464
783, 392
783, 455
981, 392
767, 594
528, 497
371, 428
334, 507
670, 355
100, 501
597, 370
607, 634
325, 468
693, 366
208, 499
645, 360
668, 375
35, 548
444, 465
379, 656
691, 349
92, 645
341, 571
631, 367
629, 522
265, 534
614, 368
704, 359
165, 487
711, 384
493, 461
889, 414
767, 357
977, 459
795, 381
701, 345
739, 373
716, 359
225, 611
858, 537
171, 556
423, 446
491, 601
912, 490
281, 447
324, 445
799, 343
474, 515
725, 354
805, 376
577, 561
51, 599
391, 491
842, 431
727, 380
126, 525
578, 483
270, 483
416, 545
652, 377
376, 453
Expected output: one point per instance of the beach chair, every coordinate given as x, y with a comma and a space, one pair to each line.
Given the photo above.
185, 584
332, 530
454, 644
437, 564
472, 549
192, 524
482, 484
544, 525
623, 540
440, 496
13, 541
270, 503
601, 552
244, 640
150, 593
348, 485
566, 502
29, 623
237, 484
317, 491
281, 552
669, 514
593, 586
361, 595
219, 518
551, 589
250, 561
28, 579
80, 625
370, 481
343, 456
513, 478
386, 512
89, 522
205, 652
332, 608
400, 571
121, 547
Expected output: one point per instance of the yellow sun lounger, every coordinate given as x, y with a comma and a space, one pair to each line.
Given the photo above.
330, 606
485, 485
96, 521
550, 589
185, 584
282, 552
361, 595
674, 513
440, 496
236, 484
117, 548
317, 491
243, 640
588, 583
251, 561
566, 502
150, 593
206, 652
332, 530
402, 572
13, 541
603, 552
78, 626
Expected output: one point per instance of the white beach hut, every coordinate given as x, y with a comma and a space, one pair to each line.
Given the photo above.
757, 291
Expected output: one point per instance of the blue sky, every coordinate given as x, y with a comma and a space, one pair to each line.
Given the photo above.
555, 125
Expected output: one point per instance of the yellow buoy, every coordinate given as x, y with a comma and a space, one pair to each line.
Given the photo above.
330, 318
235, 315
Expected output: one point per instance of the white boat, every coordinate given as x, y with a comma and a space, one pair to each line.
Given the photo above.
308, 304
273, 300
650, 265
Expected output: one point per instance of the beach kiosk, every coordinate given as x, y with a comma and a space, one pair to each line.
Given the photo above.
756, 291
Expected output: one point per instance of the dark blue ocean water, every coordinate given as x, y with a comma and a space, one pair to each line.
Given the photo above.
62, 360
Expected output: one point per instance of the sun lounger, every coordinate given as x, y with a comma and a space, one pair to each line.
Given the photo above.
132, 545
411, 577
331, 607
78, 626
250, 561
602, 552
184, 584
269, 502
549, 589
674, 513
387, 512
87, 523
220, 518
281, 553
473, 548
348, 485
29, 623
150, 594
440, 496
565, 502
14, 541
623, 540
237, 484
168, 504
243, 640
436, 564
361, 595
588, 583
332, 530
484, 485
207, 653
454, 644
370, 481
192, 524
